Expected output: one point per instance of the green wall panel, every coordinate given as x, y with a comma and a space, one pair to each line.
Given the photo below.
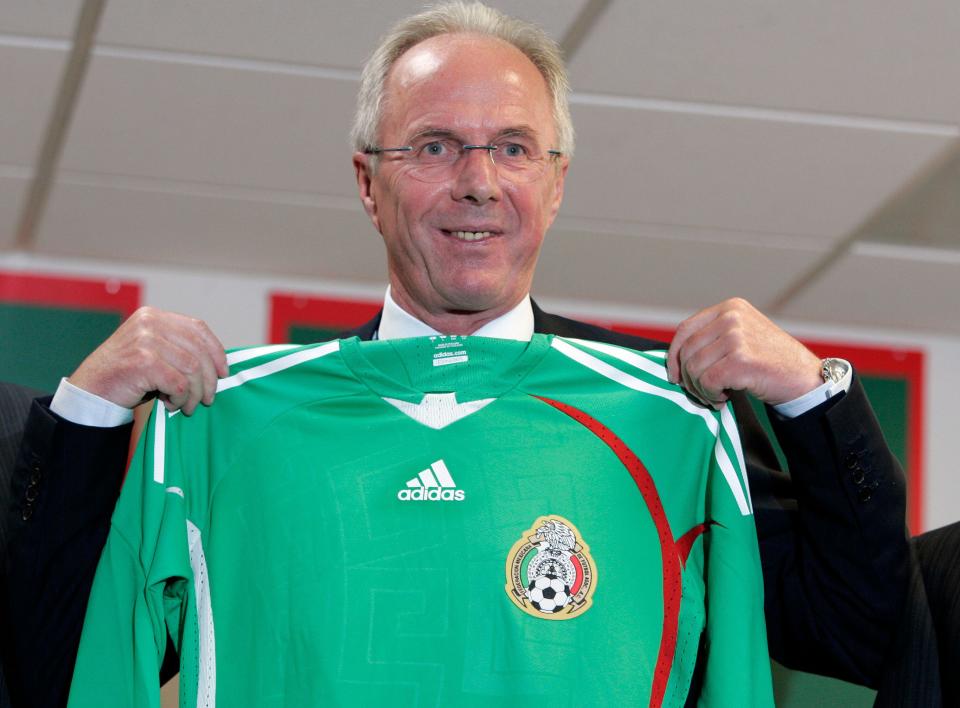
39, 344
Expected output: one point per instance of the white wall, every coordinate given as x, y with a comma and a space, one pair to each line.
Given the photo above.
236, 307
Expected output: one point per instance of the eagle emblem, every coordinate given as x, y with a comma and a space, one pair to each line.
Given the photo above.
550, 573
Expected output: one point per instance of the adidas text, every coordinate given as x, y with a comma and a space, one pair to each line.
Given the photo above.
432, 484
422, 494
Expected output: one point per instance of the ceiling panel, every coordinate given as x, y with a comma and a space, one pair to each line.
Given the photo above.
328, 33
859, 57
213, 125
722, 149
29, 77
12, 192
886, 286
736, 174
926, 214
199, 231
661, 272
39, 18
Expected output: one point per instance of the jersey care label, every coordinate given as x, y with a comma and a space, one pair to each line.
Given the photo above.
448, 350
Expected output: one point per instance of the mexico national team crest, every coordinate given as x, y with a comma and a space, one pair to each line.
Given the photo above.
550, 573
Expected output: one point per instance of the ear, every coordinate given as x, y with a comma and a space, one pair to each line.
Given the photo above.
557, 197
362, 167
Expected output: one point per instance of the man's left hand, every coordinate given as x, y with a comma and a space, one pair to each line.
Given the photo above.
733, 346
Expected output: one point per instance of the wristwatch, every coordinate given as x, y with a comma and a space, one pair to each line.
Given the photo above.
833, 370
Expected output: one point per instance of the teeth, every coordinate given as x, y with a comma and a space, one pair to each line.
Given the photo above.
470, 235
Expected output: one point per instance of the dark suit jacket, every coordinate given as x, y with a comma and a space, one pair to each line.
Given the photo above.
923, 664
14, 404
65, 483
832, 539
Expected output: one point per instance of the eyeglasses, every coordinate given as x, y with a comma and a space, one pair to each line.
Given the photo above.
434, 159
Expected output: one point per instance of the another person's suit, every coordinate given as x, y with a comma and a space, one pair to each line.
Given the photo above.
65, 482
923, 664
833, 535
14, 403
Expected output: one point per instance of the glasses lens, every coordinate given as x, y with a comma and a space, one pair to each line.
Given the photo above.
439, 159
514, 167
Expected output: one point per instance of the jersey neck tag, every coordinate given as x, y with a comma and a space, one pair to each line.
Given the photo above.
449, 349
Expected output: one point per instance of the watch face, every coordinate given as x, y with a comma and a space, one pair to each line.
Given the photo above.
833, 370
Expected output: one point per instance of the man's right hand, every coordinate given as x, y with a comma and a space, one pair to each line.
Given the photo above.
156, 354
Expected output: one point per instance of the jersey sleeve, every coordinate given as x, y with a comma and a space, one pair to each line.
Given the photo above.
137, 580
737, 662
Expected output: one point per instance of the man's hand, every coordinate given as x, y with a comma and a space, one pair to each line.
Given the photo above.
155, 354
732, 346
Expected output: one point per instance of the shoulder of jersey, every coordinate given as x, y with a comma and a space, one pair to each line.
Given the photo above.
650, 365
244, 358
252, 363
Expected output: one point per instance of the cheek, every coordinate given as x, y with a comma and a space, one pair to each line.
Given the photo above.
533, 207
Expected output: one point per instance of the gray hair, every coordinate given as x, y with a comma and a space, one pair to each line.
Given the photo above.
451, 18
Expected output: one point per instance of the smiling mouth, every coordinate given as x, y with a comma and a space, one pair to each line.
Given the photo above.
469, 235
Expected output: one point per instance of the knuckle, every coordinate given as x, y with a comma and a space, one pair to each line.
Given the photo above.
145, 315
735, 339
711, 380
730, 318
144, 357
144, 335
190, 365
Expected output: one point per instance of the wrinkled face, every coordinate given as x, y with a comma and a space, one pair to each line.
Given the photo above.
468, 243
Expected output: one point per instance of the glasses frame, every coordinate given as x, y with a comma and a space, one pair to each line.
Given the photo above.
490, 148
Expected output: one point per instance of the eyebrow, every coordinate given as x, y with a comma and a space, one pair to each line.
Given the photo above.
521, 131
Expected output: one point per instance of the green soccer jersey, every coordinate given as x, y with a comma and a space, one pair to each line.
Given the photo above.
438, 521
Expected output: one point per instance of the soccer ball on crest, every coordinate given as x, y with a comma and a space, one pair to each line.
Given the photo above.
548, 593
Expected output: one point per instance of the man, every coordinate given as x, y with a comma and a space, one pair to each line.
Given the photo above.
921, 666
462, 144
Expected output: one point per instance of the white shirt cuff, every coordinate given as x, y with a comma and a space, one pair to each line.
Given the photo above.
85, 408
809, 401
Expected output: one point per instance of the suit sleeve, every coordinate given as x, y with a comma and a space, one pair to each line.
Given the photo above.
138, 585
65, 484
737, 670
832, 537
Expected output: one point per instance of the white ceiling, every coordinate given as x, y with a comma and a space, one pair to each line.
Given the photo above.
748, 147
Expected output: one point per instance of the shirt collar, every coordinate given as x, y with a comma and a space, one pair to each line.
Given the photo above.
395, 322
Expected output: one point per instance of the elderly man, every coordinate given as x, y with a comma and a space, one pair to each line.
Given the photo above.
463, 141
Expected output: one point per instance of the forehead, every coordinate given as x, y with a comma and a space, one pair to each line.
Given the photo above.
465, 83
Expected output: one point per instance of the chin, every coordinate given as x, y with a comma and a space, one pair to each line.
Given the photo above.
481, 301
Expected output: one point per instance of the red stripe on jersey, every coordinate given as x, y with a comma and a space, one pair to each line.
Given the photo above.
670, 558
685, 542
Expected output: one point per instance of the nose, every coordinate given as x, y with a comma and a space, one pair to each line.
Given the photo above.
477, 180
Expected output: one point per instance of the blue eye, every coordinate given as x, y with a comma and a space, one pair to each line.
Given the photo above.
434, 149
512, 150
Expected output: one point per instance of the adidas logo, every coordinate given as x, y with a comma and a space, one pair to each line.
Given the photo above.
432, 484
